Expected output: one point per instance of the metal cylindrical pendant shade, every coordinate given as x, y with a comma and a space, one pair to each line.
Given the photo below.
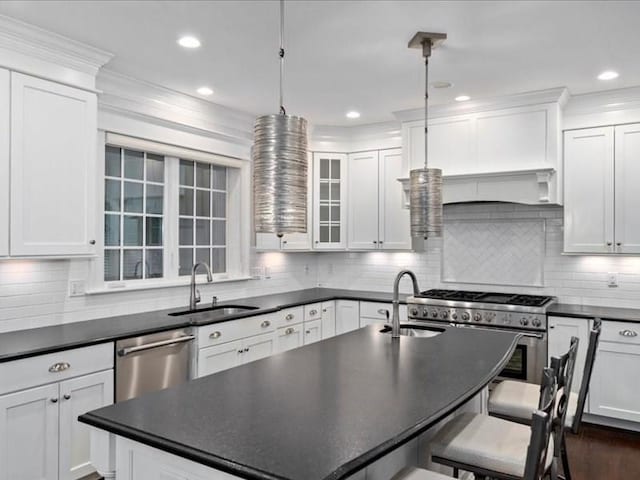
280, 166
425, 202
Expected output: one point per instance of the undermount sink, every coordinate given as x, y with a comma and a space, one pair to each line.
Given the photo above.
412, 330
219, 311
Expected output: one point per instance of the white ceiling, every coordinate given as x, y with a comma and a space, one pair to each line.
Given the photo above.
344, 55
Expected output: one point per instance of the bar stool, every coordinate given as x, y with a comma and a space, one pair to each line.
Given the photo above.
512, 400
496, 448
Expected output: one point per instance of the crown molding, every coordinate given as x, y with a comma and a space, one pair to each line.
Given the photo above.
372, 136
558, 95
35, 42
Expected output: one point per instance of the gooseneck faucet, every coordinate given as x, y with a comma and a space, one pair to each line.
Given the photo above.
194, 298
395, 319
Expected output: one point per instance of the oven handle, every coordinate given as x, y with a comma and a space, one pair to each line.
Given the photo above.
539, 336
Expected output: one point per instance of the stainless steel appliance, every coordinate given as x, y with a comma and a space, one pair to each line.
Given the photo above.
152, 362
525, 314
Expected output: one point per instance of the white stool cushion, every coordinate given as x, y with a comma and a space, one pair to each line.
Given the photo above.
413, 473
486, 442
514, 399
520, 399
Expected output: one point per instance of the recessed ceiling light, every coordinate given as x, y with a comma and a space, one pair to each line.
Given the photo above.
353, 114
441, 84
205, 91
462, 98
189, 42
608, 75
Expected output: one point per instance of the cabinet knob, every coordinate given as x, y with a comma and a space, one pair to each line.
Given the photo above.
265, 324
54, 400
289, 317
552, 326
246, 349
92, 242
313, 312
324, 310
289, 331
381, 242
308, 332
284, 241
619, 244
609, 244
375, 242
215, 335
240, 351
66, 396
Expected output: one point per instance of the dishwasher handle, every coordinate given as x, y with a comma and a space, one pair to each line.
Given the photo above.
123, 352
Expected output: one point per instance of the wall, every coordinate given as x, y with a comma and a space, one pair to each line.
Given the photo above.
572, 278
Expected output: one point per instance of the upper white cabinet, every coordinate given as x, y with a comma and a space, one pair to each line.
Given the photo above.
52, 160
5, 109
600, 192
329, 201
377, 219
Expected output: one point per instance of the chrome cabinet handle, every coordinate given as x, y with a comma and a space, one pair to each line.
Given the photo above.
59, 367
289, 331
619, 244
66, 396
240, 351
289, 317
246, 349
92, 242
215, 335
265, 324
552, 326
628, 333
308, 332
324, 310
375, 242
54, 400
609, 244
313, 312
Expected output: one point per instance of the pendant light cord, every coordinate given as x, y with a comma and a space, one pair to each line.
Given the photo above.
426, 106
281, 54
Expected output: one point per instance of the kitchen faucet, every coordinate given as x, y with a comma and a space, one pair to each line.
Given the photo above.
194, 298
395, 319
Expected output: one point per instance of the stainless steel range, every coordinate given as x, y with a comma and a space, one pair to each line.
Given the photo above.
525, 314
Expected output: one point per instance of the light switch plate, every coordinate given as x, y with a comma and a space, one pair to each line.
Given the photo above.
77, 288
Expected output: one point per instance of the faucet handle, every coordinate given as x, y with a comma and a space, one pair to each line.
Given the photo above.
197, 296
214, 301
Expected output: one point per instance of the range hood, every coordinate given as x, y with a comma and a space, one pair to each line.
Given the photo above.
536, 186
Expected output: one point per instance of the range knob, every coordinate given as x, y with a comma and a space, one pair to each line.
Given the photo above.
536, 322
444, 314
477, 317
425, 312
524, 321
434, 314
488, 317
465, 316
414, 312
454, 316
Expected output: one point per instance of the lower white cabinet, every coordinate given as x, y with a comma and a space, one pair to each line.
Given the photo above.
40, 437
328, 319
5, 112
312, 331
615, 390
231, 354
561, 329
288, 338
347, 316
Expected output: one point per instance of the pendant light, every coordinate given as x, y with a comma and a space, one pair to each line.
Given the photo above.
425, 184
280, 165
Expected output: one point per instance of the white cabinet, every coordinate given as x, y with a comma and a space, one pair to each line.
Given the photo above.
347, 316
220, 357
614, 389
377, 219
561, 329
53, 157
257, 347
329, 201
5, 109
328, 319
288, 338
40, 436
588, 190
312, 331
601, 195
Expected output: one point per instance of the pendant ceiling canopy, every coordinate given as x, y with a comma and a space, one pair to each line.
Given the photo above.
425, 184
280, 166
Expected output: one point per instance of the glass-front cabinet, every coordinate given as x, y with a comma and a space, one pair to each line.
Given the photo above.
329, 201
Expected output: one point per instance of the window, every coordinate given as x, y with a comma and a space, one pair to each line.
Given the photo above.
330, 203
166, 208
202, 216
133, 219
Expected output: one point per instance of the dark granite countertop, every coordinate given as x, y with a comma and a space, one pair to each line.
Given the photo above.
38, 341
323, 411
588, 311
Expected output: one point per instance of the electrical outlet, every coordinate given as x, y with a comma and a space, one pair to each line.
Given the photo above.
77, 288
612, 279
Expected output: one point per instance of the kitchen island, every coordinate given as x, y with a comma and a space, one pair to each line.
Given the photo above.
323, 411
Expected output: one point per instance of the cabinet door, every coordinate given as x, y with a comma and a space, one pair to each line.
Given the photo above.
267, 241
363, 201
328, 319
347, 316
220, 357
627, 196
302, 241
288, 338
5, 101
79, 396
312, 331
588, 190
258, 346
29, 434
561, 329
329, 201
615, 390
53, 156
393, 220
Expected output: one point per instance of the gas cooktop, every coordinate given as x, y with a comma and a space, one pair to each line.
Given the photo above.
487, 297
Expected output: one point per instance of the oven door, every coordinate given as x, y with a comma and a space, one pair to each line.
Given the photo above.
528, 359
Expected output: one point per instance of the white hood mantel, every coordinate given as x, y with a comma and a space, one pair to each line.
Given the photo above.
531, 186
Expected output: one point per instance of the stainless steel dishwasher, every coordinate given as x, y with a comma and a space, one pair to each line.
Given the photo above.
152, 362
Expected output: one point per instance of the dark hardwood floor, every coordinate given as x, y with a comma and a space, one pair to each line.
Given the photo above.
598, 453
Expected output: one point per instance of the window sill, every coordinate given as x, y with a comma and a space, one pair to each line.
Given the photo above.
120, 287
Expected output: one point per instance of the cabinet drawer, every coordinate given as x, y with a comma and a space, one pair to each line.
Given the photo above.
234, 330
376, 310
289, 316
53, 367
312, 311
620, 332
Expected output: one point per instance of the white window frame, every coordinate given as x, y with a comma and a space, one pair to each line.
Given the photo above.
238, 214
